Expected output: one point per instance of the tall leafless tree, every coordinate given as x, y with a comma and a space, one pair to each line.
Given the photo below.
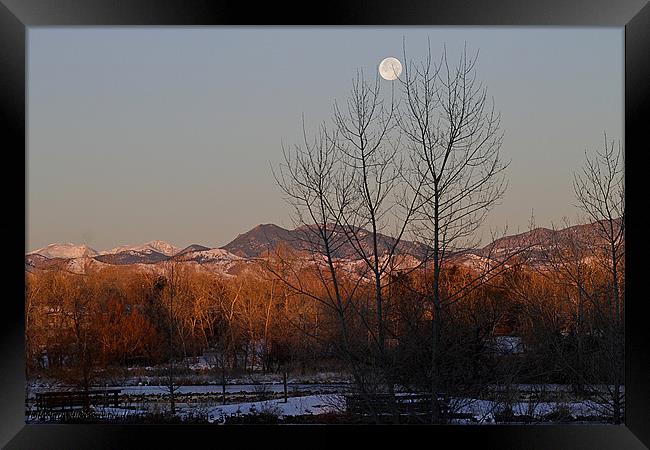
381, 202
429, 168
347, 192
600, 191
454, 137
318, 188
170, 283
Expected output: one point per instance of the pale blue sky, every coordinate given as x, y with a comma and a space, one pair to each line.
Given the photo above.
136, 134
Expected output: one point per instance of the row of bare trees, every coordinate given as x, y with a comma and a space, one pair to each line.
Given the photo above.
422, 161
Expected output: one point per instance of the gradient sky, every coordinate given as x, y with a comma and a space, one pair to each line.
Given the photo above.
136, 134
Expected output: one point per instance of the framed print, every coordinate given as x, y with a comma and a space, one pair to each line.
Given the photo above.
371, 221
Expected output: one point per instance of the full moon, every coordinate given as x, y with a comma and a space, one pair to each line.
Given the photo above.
390, 68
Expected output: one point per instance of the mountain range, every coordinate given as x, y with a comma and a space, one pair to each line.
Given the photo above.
264, 238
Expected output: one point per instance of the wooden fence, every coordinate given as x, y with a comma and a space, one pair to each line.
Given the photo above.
71, 399
384, 403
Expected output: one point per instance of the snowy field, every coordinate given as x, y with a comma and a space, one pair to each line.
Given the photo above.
482, 412
230, 388
295, 406
264, 395
215, 389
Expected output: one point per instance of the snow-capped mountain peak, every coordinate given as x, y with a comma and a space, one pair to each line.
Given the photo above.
209, 255
67, 250
161, 247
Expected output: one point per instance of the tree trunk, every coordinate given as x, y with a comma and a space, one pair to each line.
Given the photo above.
285, 385
223, 381
435, 328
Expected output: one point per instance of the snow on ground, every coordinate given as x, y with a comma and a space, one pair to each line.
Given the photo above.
230, 388
202, 389
550, 387
483, 410
315, 378
321, 394
202, 383
117, 412
295, 406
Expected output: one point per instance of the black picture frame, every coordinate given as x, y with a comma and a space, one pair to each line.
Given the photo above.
17, 15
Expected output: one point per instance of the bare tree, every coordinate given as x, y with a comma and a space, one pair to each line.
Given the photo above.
600, 190
225, 333
454, 137
354, 182
585, 263
317, 186
170, 283
349, 200
382, 203
74, 295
